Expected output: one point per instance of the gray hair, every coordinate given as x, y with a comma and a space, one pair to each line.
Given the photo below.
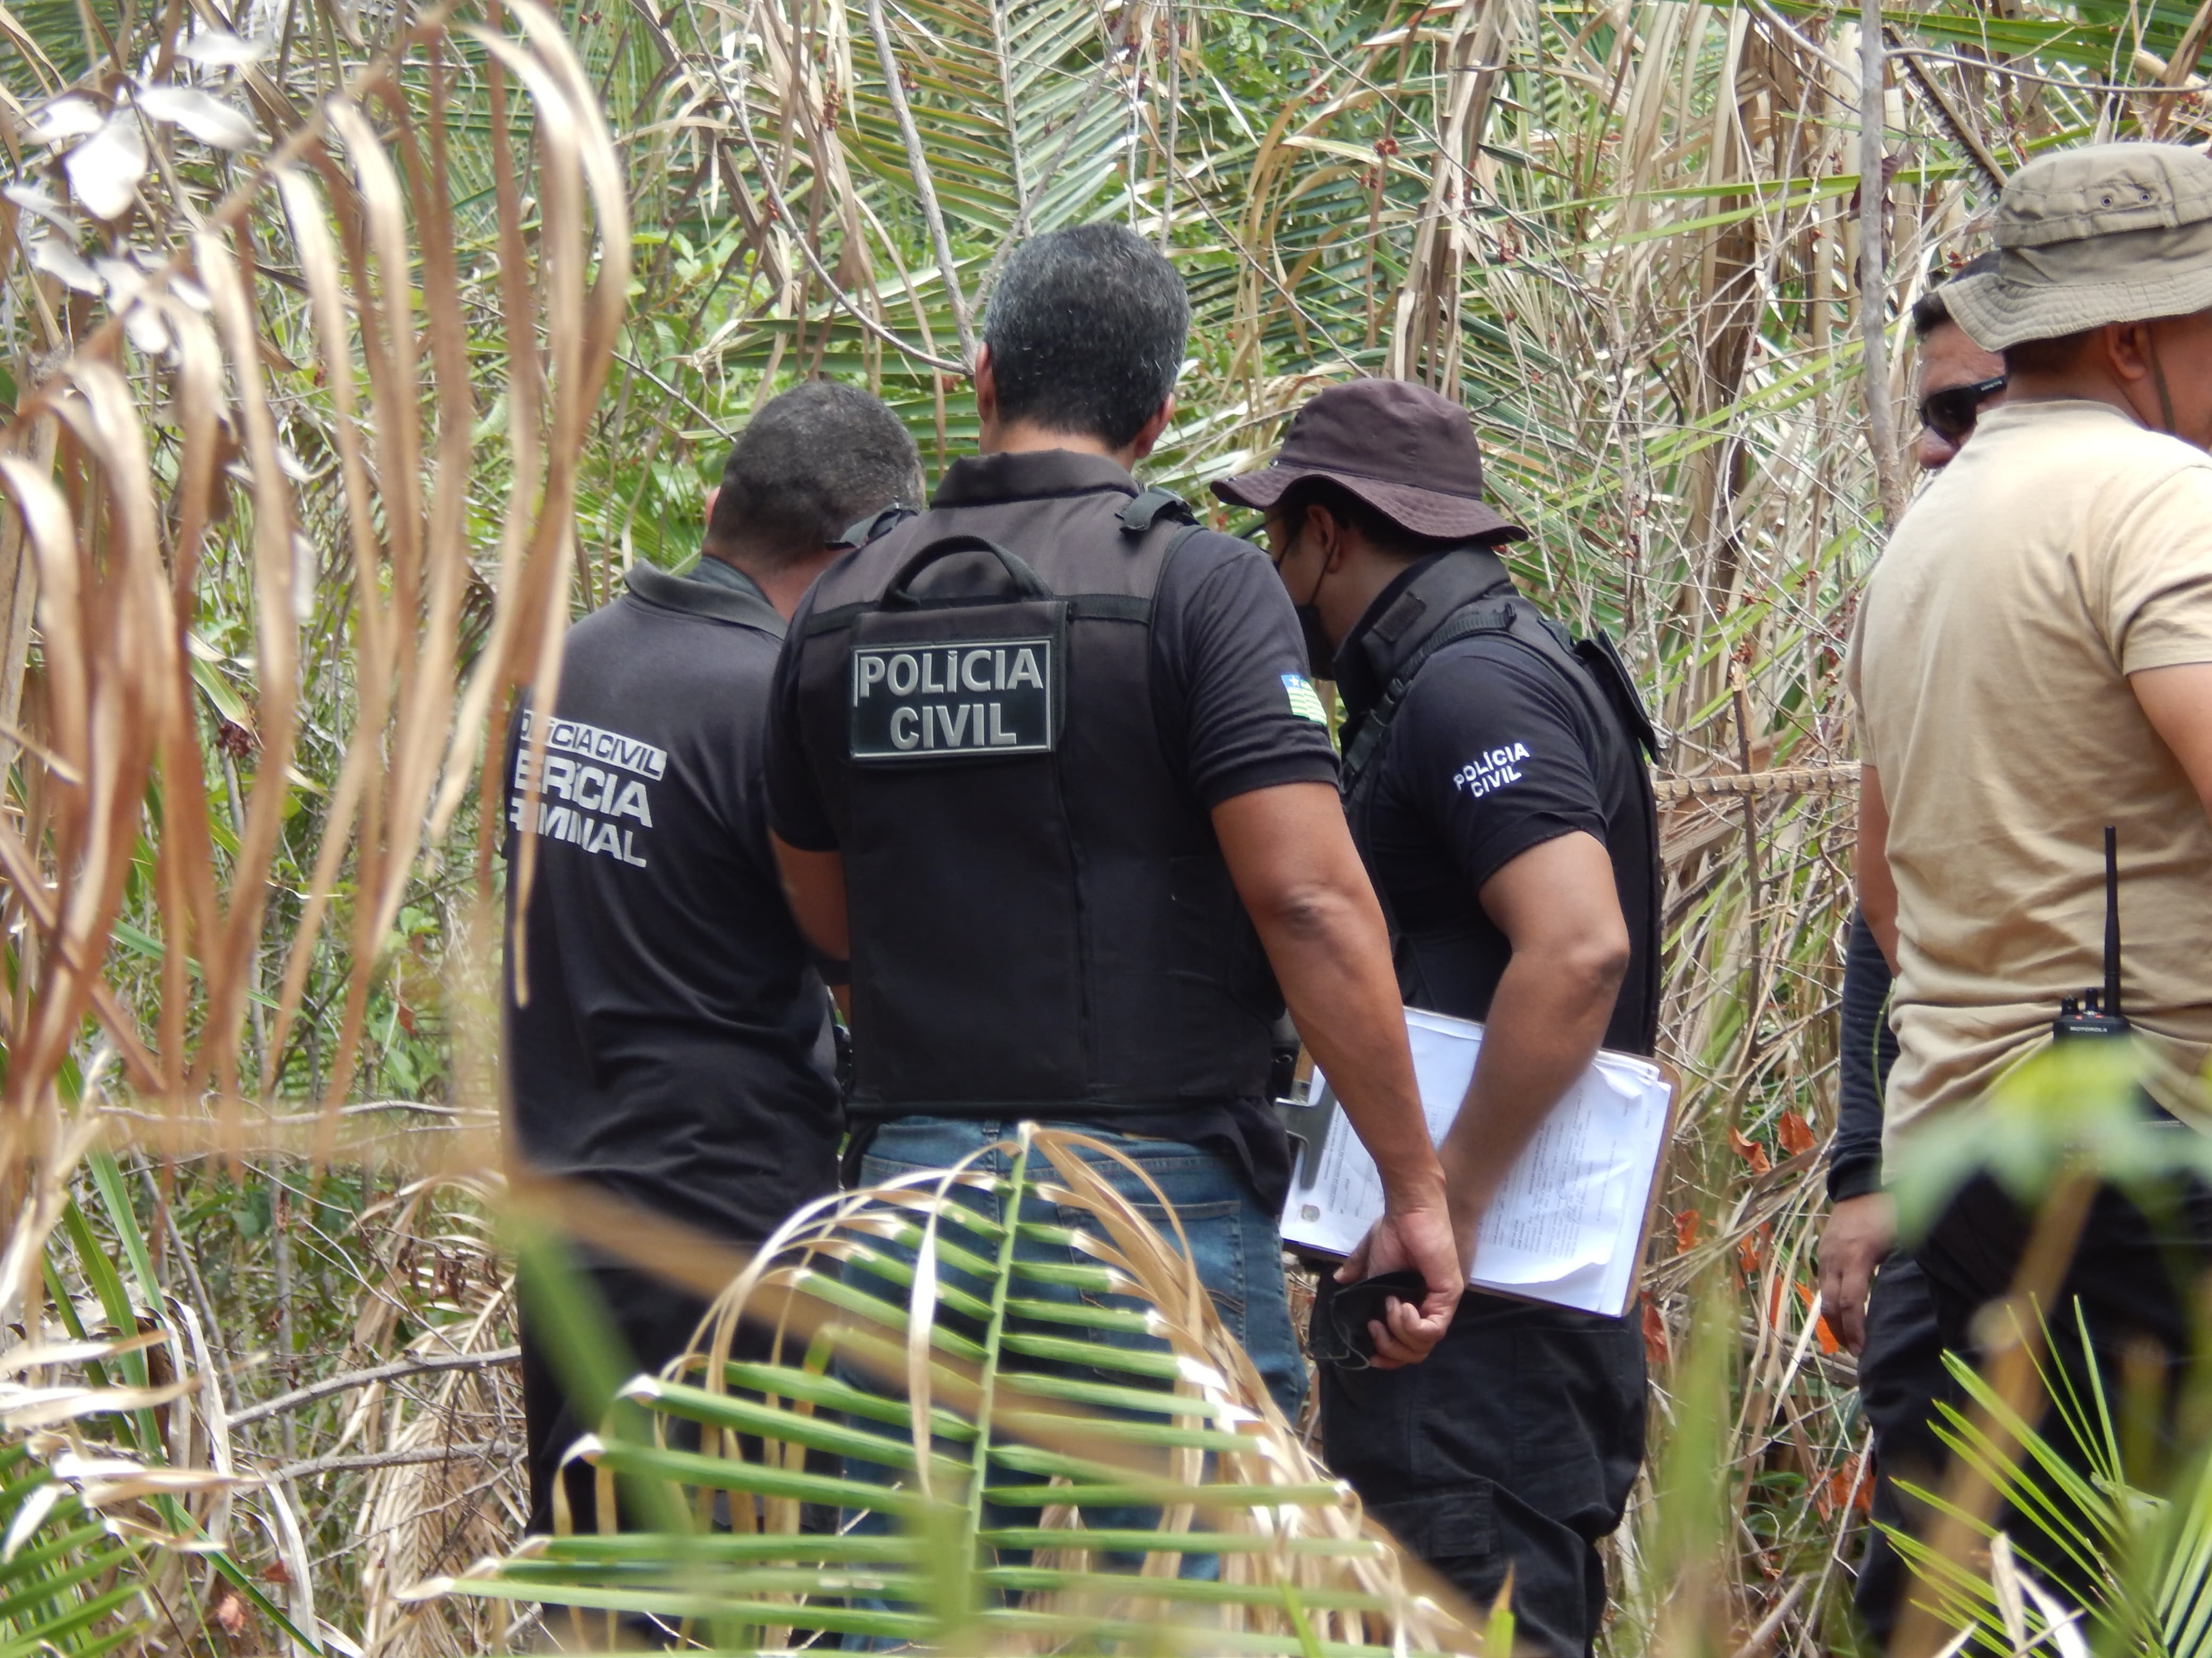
1087, 330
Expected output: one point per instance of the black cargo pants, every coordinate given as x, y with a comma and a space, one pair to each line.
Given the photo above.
656, 1319
1514, 1445
2132, 1283
1902, 1381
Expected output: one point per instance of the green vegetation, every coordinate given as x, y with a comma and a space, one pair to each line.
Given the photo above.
347, 347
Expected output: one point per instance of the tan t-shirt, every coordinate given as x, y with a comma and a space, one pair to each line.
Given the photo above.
2065, 547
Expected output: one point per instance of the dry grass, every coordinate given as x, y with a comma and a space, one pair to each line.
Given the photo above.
305, 487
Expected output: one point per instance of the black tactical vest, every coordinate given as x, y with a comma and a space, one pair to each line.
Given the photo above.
1041, 917
1468, 592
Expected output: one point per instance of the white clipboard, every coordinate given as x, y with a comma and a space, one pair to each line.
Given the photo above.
1566, 1227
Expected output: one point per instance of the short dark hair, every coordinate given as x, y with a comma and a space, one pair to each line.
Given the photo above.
816, 460
1929, 312
1376, 527
2057, 355
2052, 356
1087, 330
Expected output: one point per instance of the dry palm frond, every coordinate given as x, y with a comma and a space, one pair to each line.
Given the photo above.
116, 1478
421, 1518
1033, 1441
367, 193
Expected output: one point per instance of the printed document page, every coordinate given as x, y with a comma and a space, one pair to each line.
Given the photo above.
1566, 1227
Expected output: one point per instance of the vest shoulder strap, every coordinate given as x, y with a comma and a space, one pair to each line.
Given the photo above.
1146, 508
1601, 658
1139, 519
1491, 616
867, 529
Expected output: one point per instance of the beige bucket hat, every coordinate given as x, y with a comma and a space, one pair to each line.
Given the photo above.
2108, 232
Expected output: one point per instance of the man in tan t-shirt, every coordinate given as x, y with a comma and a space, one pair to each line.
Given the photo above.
2034, 661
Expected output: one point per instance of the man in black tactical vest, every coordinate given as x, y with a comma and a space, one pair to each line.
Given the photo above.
1046, 762
1495, 785
666, 1039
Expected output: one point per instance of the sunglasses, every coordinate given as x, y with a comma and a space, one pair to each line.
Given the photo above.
1950, 413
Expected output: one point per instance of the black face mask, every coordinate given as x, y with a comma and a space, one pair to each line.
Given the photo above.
1321, 655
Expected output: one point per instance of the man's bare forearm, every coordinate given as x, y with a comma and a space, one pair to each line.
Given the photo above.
1546, 1022
1334, 971
1302, 883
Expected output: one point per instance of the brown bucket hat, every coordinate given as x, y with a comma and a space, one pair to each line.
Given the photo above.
1405, 451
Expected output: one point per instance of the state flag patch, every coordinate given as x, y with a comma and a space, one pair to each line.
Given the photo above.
1305, 701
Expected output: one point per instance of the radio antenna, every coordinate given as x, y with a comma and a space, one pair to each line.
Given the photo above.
2111, 921
2102, 1017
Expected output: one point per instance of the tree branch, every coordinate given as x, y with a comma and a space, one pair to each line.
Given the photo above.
918, 165
1874, 280
1954, 123
338, 1384
475, 1451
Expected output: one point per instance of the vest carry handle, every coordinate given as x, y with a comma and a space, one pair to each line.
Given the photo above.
1028, 583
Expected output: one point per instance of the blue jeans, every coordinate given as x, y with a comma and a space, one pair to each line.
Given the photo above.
1234, 1243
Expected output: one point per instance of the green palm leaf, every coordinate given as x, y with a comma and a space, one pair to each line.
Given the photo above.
977, 1428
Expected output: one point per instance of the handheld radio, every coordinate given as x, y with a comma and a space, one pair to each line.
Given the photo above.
2096, 1014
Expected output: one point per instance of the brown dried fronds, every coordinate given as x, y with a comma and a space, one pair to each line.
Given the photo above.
366, 189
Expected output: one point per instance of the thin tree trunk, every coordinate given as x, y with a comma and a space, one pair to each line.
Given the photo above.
1174, 112
917, 164
1874, 277
1424, 341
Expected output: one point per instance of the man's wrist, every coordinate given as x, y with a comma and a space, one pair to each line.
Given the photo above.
1414, 1185
1854, 1175
1470, 1177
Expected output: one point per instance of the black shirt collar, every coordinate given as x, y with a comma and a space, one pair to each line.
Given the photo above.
709, 587
1028, 475
1364, 661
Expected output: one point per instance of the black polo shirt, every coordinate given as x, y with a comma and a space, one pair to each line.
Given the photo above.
1232, 702
1229, 663
1490, 755
673, 1046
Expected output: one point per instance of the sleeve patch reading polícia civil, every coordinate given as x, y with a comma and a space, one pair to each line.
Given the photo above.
1491, 770
978, 698
1305, 701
